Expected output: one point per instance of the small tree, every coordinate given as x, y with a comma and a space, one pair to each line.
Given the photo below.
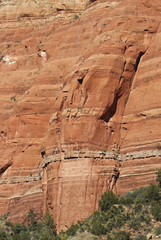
122, 235
72, 230
24, 235
107, 200
158, 173
31, 220
18, 227
156, 210
48, 222
152, 193
3, 235
97, 228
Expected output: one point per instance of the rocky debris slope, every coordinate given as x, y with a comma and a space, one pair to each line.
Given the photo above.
80, 103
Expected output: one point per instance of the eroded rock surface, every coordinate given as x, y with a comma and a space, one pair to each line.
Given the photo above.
80, 103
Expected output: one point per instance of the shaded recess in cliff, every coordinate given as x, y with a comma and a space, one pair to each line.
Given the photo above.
110, 111
4, 168
138, 60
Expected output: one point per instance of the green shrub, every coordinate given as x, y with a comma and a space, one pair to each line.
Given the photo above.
40, 226
135, 224
121, 207
48, 222
138, 194
158, 173
147, 219
140, 237
122, 235
17, 228
3, 235
110, 236
24, 235
131, 211
72, 230
126, 200
97, 228
76, 17
140, 218
112, 212
110, 225
8, 224
100, 216
135, 196
138, 207
31, 220
46, 235
152, 193
5, 216
156, 210
120, 220
122, 200
107, 200
158, 230
115, 217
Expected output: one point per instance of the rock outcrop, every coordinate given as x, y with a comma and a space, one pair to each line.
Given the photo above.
80, 103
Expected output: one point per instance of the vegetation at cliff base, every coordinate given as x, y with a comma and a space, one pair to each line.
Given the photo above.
130, 217
42, 230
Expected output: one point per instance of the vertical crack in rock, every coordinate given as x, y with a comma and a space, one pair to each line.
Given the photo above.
110, 111
62, 102
123, 91
115, 176
136, 66
138, 59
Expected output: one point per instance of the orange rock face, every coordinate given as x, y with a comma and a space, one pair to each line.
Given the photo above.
80, 104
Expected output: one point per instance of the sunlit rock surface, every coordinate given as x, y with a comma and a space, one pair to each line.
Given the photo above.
80, 111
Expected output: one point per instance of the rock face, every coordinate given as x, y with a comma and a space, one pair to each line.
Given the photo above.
80, 103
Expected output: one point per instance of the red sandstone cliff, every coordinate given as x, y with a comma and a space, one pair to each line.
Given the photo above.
80, 104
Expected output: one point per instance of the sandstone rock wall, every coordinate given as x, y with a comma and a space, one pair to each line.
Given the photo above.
80, 104
11, 9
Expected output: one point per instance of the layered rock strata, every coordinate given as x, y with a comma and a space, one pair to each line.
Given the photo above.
80, 104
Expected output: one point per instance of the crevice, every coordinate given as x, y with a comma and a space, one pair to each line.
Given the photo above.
81, 76
138, 60
80, 80
115, 176
43, 154
136, 66
4, 168
110, 111
59, 9
62, 102
122, 92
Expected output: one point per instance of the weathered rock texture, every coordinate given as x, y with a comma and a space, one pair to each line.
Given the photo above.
80, 108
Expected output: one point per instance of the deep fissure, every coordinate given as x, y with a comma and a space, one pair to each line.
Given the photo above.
138, 60
110, 111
